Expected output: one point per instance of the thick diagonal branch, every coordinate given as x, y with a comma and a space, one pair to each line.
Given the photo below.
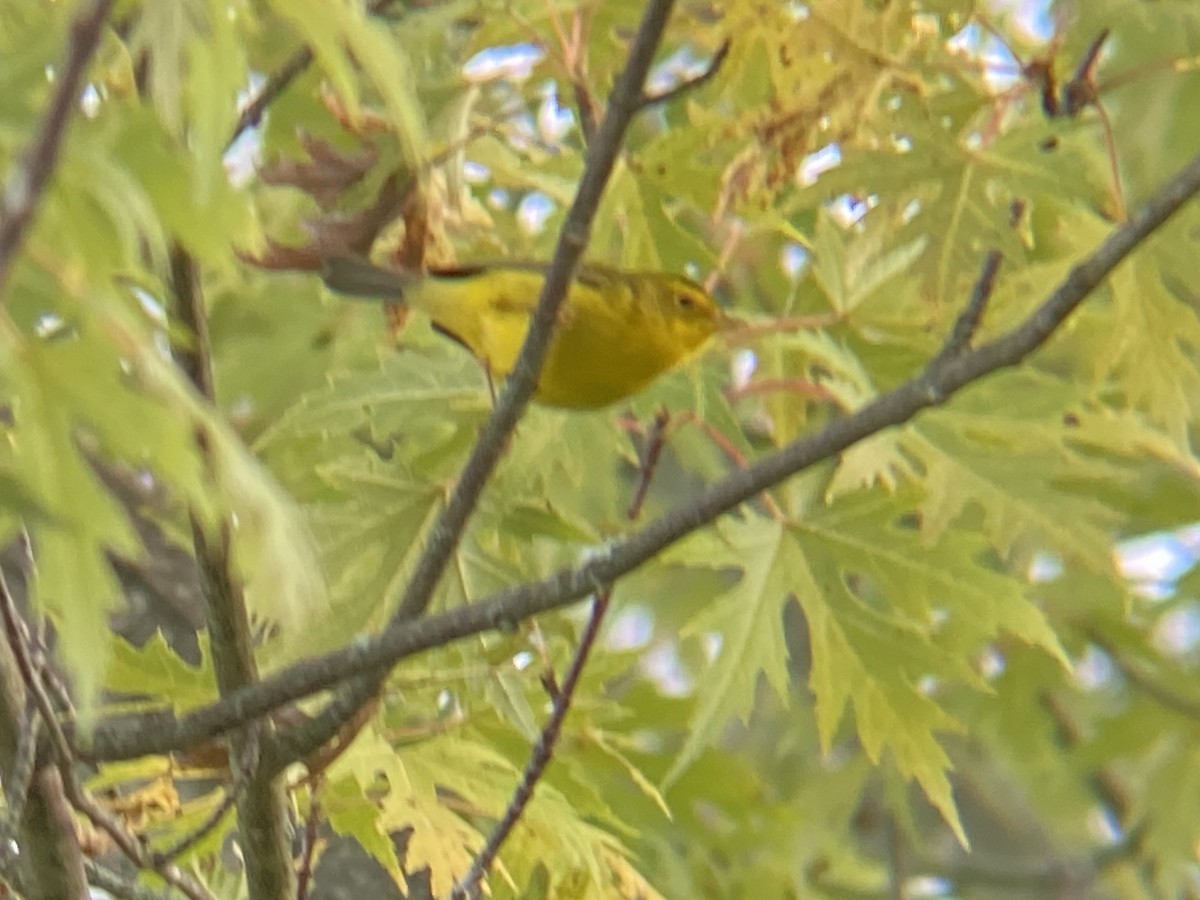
159, 733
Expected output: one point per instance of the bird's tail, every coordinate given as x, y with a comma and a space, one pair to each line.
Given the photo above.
357, 277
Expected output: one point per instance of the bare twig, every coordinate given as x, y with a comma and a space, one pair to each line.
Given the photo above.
560, 695
195, 358
968, 321
54, 842
689, 84
802, 387
470, 886
192, 838
128, 843
19, 642
573, 57
50, 861
1166, 697
733, 454
626, 99
261, 806
654, 446
312, 826
1108, 786
28, 178
279, 81
1083, 89
67, 781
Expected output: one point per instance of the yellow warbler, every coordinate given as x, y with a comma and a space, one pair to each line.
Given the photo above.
617, 330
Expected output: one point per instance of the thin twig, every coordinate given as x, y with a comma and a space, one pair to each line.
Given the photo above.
279, 81
803, 387
51, 856
18, 640
28, 178
52, 839
469, 887
192, 838
573, 57
1107, 784
968, 321
195, 357
689, 84
127, 843
65, 758
1164, 696
312, 825
261, 805
161, 732
654, 447
560, 695
733, 454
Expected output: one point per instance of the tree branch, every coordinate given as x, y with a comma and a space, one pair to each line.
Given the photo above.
689, 84
260, 799
1165, 696
469, 888
50, 861
627, 98
279, 81
162, 732
28, 179
969, 320
62, 781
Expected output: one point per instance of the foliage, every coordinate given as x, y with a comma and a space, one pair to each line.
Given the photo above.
927, 644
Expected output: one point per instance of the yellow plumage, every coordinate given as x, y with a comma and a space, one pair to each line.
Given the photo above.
617, 330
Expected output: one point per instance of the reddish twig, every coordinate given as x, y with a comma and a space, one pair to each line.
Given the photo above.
312, 824
469, 887
655, 441
814, 390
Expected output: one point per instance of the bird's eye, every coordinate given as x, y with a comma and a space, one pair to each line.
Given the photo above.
685, 302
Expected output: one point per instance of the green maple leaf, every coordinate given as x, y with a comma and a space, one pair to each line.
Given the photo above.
888, 614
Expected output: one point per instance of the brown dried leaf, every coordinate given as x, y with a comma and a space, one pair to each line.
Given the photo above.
336, 233
327, 172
